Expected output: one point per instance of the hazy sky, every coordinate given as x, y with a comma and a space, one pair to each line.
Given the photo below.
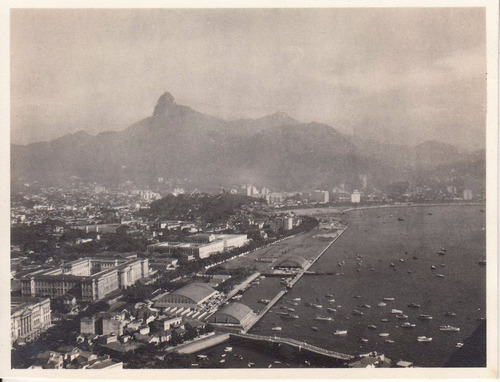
403, 75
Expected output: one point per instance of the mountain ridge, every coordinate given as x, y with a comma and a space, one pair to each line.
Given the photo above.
178, 142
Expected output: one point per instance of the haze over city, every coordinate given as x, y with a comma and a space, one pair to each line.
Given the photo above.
249, 189
398, 75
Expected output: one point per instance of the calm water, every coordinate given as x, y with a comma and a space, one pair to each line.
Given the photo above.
458, 229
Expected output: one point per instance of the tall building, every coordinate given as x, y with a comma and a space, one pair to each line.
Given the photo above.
320, 196
287, 223
467, 194
356, 197
29, 318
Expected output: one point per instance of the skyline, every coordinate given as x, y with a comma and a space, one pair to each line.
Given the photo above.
100, 70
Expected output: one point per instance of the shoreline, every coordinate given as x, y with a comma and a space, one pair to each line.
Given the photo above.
413, 205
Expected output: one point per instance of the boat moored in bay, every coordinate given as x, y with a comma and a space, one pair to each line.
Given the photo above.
448, 328
424, 339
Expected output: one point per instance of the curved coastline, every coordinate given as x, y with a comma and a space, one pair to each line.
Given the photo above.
414, 205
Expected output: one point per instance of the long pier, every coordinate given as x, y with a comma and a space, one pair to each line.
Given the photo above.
263, 311
289, 285
310, 264
300, 346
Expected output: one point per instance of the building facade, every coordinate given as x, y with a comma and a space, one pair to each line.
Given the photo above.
356, 197
87, 279
29, 318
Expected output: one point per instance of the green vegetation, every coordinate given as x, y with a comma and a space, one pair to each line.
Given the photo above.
202, 207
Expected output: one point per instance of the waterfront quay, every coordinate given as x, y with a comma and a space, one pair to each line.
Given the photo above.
289, 285
222, 337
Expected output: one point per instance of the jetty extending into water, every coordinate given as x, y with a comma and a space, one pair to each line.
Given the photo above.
311, 263
290, 285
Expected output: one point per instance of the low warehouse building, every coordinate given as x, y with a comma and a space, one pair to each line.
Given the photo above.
234, 314
189, 296
292, 262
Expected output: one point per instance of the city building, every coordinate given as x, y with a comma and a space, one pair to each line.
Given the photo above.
87, 279
190, 296
48, 360
234, 314
29, 317
287, 223
356, 197
201, 245
201, 250
320, 196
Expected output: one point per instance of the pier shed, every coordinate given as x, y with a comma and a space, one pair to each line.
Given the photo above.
190, 296
292, 261
234, 314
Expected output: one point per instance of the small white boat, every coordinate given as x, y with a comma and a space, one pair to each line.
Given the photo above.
407, 325
381, 304
276, 328
384, 320
357, 313
388, 298
449, 328
389, 341
296, 299
424, 339
401, 316
481, 262
323, 318
383, 335
396, 311
450, 314
340, 333
425, 317
414, 305
264, 301
228, 349
364, 340
440, 275
331, 309
251, 364
459, 345
331, 300
372, 327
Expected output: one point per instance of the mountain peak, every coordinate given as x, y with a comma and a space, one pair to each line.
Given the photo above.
165, 105
279, 118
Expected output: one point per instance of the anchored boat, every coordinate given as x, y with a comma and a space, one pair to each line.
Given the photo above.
449, 328
424, 339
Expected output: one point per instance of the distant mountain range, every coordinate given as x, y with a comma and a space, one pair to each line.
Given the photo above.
177, 142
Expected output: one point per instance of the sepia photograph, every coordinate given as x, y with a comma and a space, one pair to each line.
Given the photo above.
220, 189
